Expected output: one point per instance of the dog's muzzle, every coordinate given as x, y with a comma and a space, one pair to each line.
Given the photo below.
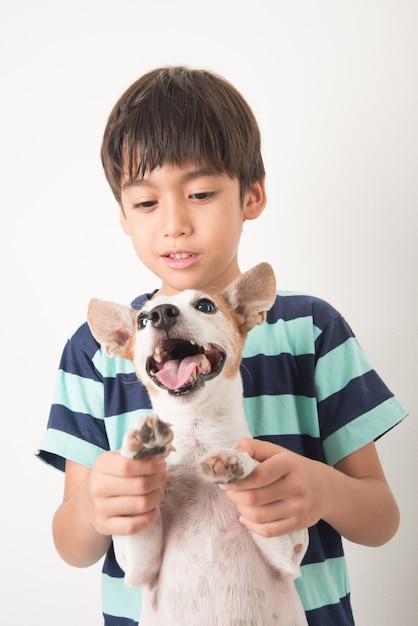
181, 366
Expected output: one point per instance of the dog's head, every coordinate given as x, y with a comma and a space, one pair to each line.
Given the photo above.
178, 343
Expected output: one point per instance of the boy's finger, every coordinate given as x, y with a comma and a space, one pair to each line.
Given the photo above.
259, 450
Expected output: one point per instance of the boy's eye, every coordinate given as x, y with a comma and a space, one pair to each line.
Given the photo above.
142, 320
202, 195
206, 306
145, 206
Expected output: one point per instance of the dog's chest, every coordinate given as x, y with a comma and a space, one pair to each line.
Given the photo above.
194, 506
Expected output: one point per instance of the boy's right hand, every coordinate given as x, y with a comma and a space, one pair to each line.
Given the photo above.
125, 493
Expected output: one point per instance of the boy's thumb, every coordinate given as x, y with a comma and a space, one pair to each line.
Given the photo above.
257, 449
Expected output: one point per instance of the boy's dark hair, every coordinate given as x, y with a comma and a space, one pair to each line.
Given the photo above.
175, 115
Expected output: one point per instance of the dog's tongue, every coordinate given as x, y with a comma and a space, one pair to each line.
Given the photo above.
175, 374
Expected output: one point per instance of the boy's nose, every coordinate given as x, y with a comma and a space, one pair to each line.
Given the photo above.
176, 220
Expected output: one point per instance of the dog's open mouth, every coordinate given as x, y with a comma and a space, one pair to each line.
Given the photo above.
181, 366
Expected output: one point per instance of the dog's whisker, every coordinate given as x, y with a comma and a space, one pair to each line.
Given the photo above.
242, 367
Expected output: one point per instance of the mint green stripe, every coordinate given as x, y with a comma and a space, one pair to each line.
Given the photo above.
361, 431
119, 600
292, 337
111, 366
70, 447
79, 394
282, 415
322, 584
341, 365
117, 425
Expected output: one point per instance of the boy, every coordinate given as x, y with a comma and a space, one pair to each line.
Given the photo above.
181, 152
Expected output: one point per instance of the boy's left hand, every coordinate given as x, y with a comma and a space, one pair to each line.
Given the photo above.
286, 492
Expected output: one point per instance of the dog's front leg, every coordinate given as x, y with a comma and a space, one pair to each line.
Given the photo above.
284, 553
139, 555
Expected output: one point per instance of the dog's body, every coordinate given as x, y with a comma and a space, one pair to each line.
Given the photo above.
198, 564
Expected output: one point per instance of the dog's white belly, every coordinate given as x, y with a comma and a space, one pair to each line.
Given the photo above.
212, 573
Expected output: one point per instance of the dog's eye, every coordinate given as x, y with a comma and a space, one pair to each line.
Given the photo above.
142, 320
206, 306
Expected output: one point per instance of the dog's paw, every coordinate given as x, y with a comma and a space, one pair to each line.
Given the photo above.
149, 437
225, 465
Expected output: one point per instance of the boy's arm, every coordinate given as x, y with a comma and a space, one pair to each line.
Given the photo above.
118, 496
287, 492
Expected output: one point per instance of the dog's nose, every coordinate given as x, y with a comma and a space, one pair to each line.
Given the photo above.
164, 316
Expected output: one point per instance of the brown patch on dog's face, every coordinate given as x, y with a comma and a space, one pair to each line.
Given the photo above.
237, 335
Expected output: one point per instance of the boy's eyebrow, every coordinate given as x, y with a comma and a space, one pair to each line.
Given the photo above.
138, 182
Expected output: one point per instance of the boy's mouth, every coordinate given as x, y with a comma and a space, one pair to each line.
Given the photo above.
180, 255
181, 366
179, 260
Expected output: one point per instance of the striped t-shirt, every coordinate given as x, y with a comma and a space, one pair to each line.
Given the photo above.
307, 385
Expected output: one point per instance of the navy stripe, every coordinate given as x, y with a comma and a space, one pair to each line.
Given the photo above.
336, 333
277, 375
124, 391
79, 425
78, 354
324, 543
139, 302
52, 459
362, 394
293, 306
111, 566
332, 615
110, 620
305, 445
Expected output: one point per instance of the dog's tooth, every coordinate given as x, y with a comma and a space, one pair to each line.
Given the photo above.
204, 364
207, 347
192, 342
158, 353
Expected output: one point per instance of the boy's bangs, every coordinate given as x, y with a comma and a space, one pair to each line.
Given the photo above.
164, 141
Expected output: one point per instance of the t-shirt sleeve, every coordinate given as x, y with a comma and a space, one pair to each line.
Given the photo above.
355, 407
76, 429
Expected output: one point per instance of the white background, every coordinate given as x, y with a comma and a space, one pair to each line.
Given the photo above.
334, 87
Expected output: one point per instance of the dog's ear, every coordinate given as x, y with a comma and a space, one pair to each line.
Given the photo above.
252, 294
113, 326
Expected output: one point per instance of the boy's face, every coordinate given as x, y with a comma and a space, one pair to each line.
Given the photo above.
185, 224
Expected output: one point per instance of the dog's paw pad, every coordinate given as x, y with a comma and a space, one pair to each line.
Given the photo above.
149, 437
221, 466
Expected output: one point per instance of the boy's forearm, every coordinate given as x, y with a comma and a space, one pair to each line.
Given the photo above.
362, 509
75, 538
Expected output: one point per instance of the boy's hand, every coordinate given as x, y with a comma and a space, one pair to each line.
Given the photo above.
125, 493
283, 494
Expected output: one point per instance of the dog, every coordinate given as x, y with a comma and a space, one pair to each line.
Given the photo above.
198, 565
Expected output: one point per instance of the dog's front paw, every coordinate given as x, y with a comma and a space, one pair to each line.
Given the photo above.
149, 437
225, 465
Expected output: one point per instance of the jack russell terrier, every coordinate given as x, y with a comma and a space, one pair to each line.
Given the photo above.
198, 565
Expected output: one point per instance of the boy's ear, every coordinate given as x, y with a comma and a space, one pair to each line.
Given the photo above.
254, 200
